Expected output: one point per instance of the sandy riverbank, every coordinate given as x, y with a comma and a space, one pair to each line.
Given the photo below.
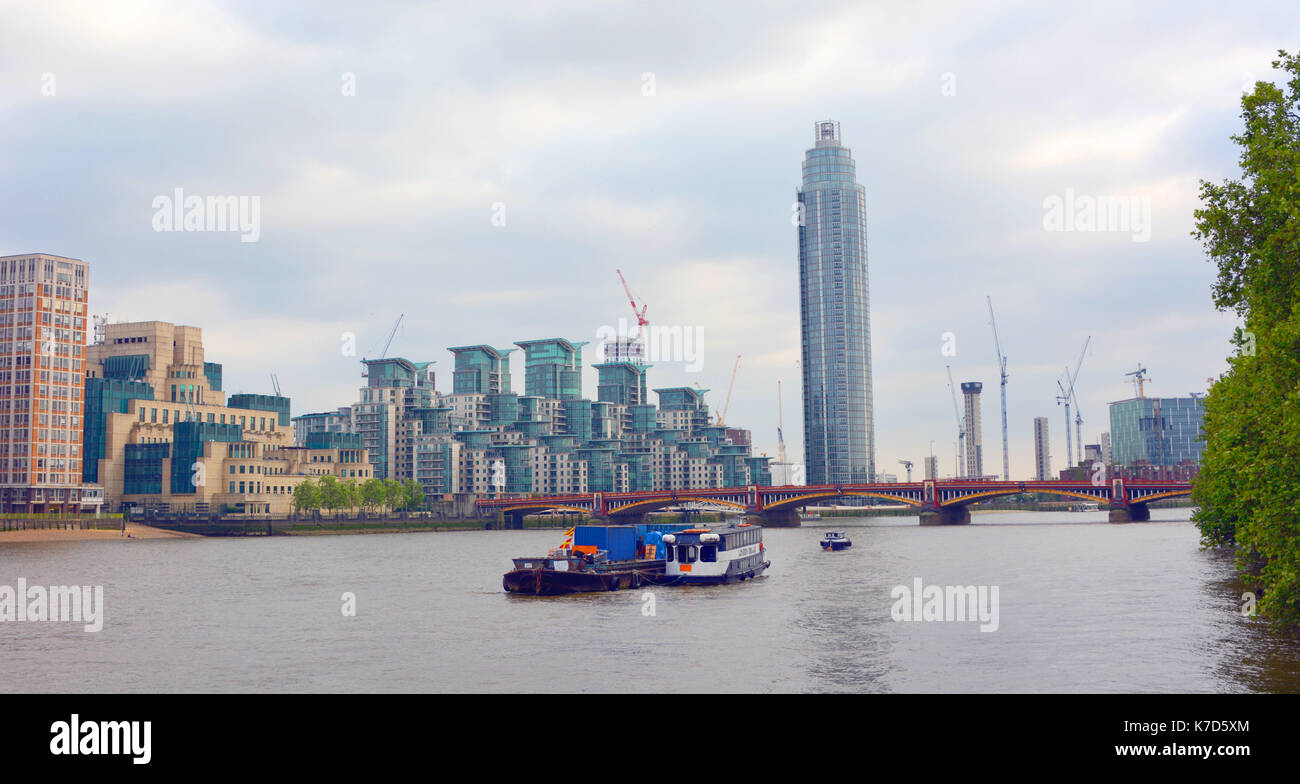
133, 531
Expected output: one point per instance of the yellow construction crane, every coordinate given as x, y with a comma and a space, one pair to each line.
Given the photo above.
722, 417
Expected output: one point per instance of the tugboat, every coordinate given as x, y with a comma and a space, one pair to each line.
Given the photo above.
835, 540
573, 571
592, 558
712, 556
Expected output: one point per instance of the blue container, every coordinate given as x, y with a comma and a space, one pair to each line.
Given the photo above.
621, 542
591, 535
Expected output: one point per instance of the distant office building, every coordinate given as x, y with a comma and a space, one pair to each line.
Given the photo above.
970, 391
552, 368
1162, 431
1106, 453
480, 369
338, 421
1091, 453
42, 348
932, 468
1042, 450
839, 424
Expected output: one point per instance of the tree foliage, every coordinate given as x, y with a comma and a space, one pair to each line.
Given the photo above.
1248, 490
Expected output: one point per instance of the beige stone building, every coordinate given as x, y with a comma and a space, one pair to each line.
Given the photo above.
164, 435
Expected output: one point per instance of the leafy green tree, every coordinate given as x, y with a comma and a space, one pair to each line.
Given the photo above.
307, 496
392, 493
1248, 490
412, 494
351, 494
372, 493
332, 493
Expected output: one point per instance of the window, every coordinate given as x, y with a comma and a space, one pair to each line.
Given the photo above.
709, 553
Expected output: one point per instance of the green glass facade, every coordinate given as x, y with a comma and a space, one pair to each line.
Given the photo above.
104, 396
188, 439
552, 368
274, 403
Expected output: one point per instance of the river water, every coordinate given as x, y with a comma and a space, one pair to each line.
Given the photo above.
1083, 606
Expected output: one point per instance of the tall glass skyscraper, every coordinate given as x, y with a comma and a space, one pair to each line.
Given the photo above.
839, 433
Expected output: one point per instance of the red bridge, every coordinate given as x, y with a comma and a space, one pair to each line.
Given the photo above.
937, 502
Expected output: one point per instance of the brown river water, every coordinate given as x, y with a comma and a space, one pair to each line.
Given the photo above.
1082, 606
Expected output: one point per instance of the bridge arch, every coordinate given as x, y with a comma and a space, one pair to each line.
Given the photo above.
803, 500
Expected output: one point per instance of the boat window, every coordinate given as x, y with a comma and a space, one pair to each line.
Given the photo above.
668, 552
686, 553
709, 553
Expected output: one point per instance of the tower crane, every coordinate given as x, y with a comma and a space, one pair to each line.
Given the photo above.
961, 428
780, 424
722, 417
908, 465
641, 321
1139, 379
1002, 370
392, 333
1078, 411
1065, 397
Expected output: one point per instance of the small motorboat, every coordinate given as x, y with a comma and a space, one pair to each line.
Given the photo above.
835, 540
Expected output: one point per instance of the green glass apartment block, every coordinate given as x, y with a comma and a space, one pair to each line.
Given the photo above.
127, 368
432, 469
394, 372
760, 472
519, 467
682, 399
104, 396
577, 419
274, 403
552, 368
621, 383
600, 468
1160, 431
481, 369
142, 472
643, 418
333, 441
188, 439
602, 420
213, 371
504, 409
434, 420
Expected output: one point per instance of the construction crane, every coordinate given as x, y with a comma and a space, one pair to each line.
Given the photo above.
908, 465
392, 333
641, 321
1078, 410
1065, 397
722, 417
780, 425
1002, 370
275, 384
1139, 379
961, 428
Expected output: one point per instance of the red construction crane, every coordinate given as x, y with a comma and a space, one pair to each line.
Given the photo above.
640, 314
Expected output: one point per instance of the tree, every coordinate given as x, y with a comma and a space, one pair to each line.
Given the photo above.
332, 494
392, 493
307, 496
412, 494
1248, 490
372, 493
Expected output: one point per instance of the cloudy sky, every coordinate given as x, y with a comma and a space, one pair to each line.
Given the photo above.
386, 141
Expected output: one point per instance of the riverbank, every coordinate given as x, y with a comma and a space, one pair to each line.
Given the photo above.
133, 531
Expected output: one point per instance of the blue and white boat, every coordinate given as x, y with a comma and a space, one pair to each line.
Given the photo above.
835, 540
713, 555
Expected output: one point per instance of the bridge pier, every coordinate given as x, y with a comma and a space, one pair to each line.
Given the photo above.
776, 518
1133, 513
946, 515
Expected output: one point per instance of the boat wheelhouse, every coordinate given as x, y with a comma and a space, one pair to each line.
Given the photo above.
714, 555
835, 540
